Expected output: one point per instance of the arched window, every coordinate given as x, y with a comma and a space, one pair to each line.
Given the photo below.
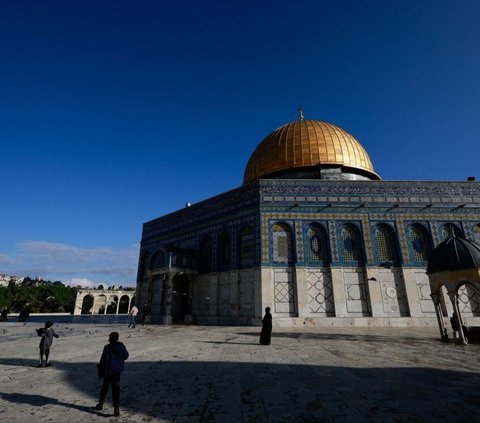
205, 255
350, 244
316, 244
419, 243
449, 230
247, 245
386, 251
282, 251
225, 249
476, 233
158, 260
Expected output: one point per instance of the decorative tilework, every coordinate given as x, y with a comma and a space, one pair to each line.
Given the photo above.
299, 241
469, 301
367, 239
356, 291
332, 227
435, 233
284, 291
320, 293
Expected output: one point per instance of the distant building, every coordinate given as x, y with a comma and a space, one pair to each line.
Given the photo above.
6, 279
313, 233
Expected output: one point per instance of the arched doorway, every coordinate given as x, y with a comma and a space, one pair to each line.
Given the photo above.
180, 298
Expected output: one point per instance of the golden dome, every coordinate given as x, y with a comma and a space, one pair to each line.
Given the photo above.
307, 144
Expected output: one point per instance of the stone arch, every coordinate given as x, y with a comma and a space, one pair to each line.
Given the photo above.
112, 304
124, 304
87, 303
100, 304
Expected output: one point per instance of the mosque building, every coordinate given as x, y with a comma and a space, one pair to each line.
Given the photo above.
314, 234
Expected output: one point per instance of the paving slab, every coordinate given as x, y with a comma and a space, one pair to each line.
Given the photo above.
221, 374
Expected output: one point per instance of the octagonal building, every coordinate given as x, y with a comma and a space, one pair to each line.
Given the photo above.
314, 234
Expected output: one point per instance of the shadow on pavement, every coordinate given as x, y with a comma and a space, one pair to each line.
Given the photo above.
205, 391
345, 337
40, 401
227, 342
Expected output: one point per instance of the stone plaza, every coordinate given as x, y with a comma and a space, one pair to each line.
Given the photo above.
221, 374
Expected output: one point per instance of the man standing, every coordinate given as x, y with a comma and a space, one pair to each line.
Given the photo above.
110, 368
133, 313
144, 314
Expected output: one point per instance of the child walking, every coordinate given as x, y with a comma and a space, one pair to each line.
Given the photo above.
47, 333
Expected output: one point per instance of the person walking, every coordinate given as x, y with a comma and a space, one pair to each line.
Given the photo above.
266, 334
111, 366
133, 313
144, 314
47, 333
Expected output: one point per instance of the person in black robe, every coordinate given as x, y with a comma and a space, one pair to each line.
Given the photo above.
266, 334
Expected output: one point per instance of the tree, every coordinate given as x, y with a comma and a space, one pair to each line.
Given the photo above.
6, 297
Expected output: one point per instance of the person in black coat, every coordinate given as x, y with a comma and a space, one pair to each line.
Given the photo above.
110, 368
266, 334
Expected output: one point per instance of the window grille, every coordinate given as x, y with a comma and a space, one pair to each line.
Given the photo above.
419, 243
205, 264
351, 245
316, 244
282, 243
384, 244
225, 249
247, 243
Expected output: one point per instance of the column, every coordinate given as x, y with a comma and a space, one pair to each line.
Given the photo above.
301, 291
339, 293
168, 287
375, 293
78, 304
438, 312
454, 298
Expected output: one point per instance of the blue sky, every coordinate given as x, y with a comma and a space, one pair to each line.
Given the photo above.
113, 113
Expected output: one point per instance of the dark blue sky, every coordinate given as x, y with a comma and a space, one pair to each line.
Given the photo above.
113, 113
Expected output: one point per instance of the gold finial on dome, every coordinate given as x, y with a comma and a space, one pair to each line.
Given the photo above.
300, 113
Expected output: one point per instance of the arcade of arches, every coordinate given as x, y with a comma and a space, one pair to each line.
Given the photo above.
94, 301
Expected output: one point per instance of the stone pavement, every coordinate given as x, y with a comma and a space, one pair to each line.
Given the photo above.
221, 374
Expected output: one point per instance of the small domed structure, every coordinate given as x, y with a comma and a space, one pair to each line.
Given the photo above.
309, 149
454, 254
454, 263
